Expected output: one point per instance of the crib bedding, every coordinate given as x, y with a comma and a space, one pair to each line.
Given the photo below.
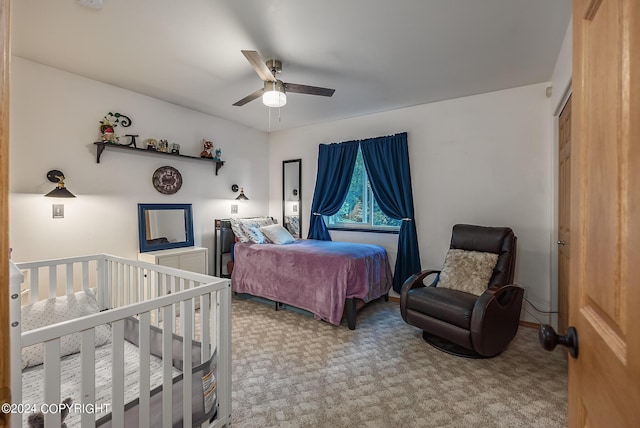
317, 276
204, 383
33, 387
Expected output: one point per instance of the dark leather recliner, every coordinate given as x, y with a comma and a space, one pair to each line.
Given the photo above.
462, 323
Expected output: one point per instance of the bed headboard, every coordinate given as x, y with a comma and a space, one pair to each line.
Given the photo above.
223, 243
225, 234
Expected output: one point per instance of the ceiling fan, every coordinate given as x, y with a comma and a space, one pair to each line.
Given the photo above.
274, 92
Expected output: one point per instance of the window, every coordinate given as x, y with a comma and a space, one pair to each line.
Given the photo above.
360, 209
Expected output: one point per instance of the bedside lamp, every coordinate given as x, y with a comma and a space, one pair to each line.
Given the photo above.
60, 191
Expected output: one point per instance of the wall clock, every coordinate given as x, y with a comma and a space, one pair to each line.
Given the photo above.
167, 180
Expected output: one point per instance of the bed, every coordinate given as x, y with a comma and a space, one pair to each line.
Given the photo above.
327, 278
121, 339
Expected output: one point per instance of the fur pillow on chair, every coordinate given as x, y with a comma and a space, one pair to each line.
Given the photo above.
468, 271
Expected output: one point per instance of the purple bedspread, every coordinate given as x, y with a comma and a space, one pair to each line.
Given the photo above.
314, 275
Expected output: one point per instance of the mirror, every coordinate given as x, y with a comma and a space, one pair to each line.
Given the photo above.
292, 196
164, 226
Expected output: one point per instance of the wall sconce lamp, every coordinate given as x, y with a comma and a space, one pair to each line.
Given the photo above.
241, 196
60, 191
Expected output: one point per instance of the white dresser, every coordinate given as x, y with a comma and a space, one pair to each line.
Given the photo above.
193, 259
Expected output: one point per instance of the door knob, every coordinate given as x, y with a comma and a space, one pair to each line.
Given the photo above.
562, 243
549, 339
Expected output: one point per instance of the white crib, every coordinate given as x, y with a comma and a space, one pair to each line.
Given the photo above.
198, 307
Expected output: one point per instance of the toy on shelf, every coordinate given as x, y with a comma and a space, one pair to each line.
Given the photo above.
207, 149
108, 126
163, 146
151, 144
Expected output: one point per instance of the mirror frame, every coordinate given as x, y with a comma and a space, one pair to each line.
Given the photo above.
284, 164
188, 221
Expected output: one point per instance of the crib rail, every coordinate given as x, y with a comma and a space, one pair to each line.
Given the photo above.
155, 295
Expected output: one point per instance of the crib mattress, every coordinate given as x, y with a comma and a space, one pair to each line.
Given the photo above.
33, 383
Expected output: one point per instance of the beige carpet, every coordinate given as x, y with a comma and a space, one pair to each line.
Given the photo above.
290, 370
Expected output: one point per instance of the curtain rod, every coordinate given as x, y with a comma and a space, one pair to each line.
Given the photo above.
370, 138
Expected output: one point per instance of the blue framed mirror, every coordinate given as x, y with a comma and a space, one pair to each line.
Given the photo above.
164, 226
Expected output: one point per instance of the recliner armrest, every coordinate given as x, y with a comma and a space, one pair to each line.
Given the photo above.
414, 281
497, 292
497, 309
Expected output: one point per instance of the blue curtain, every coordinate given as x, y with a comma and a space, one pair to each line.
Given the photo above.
335, 168
387, 162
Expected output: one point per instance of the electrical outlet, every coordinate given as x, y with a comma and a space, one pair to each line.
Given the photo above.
234, 209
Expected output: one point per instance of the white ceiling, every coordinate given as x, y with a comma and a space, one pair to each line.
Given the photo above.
377, 54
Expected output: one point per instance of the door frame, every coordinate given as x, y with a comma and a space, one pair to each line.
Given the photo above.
555, 194
5, 68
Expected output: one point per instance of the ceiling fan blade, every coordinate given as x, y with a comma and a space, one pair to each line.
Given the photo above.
259, 65
311, 90
249, 98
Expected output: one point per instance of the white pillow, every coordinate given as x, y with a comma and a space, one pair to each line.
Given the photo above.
53, 311
468, 271
277, 234
240, 226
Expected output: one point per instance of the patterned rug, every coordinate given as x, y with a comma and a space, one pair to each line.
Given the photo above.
290, 370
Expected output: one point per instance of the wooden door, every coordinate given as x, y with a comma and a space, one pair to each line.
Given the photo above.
5, 57
564, 186
604, 304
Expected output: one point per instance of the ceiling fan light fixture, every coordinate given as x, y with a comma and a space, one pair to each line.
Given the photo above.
92, 4
274, 94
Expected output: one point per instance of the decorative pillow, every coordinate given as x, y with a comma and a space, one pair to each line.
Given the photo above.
255, 235
468, 271
240, 226
277, 234
55, 310
293, 224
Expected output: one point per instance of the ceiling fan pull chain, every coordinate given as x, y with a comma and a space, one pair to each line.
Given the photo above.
280, 89
269, 119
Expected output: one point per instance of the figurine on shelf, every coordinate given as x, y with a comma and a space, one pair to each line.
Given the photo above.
151, 144
108, 134
108, 125
163, 146
132, 142
217, 155
175, 149
208, 147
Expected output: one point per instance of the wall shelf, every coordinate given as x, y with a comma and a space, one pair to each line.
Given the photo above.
101, 146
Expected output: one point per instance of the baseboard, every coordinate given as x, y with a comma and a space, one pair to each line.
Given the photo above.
529, 324
394, 299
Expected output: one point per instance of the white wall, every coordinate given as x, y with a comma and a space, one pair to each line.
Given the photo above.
561, 77
54, 121
484, 159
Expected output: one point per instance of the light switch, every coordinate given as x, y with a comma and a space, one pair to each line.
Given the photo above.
58, 210
234, 209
